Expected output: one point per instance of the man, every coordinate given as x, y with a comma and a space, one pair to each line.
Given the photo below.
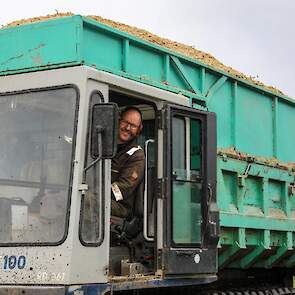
128, 164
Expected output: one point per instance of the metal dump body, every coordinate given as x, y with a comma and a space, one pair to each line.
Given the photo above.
255, 193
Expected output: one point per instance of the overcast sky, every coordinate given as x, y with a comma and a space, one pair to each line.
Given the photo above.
256, 37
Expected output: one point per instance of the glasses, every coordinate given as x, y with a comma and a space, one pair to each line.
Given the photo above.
125, 123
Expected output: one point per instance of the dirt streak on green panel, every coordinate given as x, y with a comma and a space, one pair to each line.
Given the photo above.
54, 42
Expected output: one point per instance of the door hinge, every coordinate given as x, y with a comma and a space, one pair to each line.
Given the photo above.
160, 261
291, 189
161, 188
83, 188
161, 119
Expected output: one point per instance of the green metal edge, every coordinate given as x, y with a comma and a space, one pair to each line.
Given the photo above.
257, 169
41, 68
152, 83
255, 222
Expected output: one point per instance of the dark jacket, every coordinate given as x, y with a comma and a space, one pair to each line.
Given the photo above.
127, 174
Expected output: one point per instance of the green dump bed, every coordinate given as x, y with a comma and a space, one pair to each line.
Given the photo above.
255, 127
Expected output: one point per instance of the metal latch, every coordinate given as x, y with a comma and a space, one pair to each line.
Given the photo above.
83, 188
185, 253
161, 189
161, 119
242, 177
291, 189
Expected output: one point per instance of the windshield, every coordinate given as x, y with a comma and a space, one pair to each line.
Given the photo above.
36, 138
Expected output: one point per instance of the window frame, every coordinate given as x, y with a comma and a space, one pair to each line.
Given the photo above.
75, 124
88, 156
178, 113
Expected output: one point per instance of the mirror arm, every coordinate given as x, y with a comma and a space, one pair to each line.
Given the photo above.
99, 130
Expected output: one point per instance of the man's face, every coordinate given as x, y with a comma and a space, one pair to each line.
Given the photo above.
129, 126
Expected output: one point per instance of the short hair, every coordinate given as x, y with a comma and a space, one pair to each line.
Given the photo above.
131, 108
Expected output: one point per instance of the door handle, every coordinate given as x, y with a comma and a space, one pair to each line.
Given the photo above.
210, 191
185, 253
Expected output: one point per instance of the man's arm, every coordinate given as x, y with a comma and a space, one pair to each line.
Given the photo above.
130, 177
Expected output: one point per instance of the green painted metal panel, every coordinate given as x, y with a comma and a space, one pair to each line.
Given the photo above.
41, 45
145, 63
275, 193
254, 123
211, 79
257, 222
194, 73
286, 132
227, 180
253, 236
151, 65
95, 46
255, 198
221, 103
174, 79
253, 194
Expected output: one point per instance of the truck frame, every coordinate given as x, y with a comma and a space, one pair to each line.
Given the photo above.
217, 198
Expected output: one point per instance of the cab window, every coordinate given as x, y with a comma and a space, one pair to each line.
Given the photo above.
186, 180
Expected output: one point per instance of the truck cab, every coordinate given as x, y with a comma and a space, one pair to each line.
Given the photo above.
56, 227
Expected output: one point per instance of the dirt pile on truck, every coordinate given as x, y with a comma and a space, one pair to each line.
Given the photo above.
186, 50
36, 19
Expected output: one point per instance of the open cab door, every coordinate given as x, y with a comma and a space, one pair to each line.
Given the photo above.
187, 215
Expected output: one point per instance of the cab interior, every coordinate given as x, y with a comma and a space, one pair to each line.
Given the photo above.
132, 241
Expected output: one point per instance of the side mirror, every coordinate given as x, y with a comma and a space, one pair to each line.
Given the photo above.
104, 130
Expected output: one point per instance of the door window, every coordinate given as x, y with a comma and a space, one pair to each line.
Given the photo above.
186, 180
36, 144
91, 227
